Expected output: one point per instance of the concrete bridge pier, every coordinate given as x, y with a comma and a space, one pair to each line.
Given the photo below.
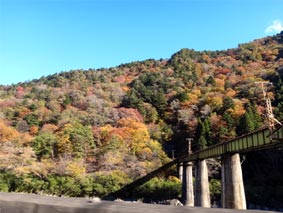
187, 184
202, 194
180, 171
233, 193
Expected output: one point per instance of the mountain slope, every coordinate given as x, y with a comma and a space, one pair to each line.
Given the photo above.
117, 123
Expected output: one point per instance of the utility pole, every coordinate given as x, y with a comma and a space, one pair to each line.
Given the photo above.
270, 116
189, 140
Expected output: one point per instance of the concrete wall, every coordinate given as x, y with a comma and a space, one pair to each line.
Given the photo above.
23, 203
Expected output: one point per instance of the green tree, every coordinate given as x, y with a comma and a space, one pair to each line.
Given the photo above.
182, 96
8, 181
249, 121
105, 184
148, 88
245, 125
257, 120
200, 136
76, 140
207, 130
227, 117
63, 185
150, 114
210, 81
160, 102
67, 101
160, 188
228, 103
43, 145
32, 120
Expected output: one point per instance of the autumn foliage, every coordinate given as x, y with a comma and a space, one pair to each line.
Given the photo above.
125, 121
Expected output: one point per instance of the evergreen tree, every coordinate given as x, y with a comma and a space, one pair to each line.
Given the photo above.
256, 118
207, 131
210, 81
203, 134
160, 102
227, 117
245, 124
133, 101
249, 121
43, 145
228, 103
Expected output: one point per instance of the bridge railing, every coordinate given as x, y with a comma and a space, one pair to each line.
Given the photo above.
259, 139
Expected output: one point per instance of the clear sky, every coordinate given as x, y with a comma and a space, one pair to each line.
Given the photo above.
42, 37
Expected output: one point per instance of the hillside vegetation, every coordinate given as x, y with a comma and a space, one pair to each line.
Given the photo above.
88, 132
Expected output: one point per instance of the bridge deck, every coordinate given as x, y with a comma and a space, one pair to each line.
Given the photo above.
256, 140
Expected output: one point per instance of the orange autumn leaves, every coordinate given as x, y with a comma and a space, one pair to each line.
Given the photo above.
129, 135
10, 134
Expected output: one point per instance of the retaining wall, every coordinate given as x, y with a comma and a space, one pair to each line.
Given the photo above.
26, 203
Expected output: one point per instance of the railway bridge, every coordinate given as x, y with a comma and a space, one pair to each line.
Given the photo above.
232, 193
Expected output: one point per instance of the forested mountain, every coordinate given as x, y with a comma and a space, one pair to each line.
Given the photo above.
86, 132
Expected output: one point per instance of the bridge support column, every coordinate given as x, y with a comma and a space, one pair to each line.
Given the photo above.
180, 171
187, 184
202, 185
233, 193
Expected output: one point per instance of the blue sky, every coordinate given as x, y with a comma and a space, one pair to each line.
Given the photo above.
42, 37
